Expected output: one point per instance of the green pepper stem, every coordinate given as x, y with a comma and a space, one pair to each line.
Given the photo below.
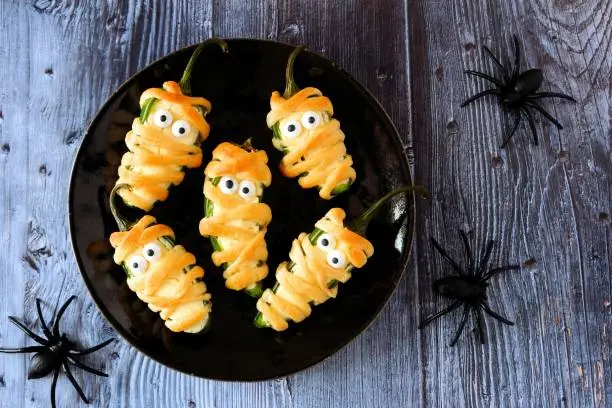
291, 87
122, 223
361, 223
185, 82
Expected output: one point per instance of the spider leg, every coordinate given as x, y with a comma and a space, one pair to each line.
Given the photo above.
481, 333
74, 382
532, 125
497, 316
492, 272
53, 385
31, 349
60, 314
496, 61
468, 251
86, 368
484, 76
517, 56
91, 349
485, 258
540, 95
29, 332
511, 131
544, 113
479, 95
45, 329
466, 314
447, 257
441, 313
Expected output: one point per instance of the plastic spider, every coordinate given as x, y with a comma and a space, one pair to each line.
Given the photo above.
517, 92
467, 288
55, 352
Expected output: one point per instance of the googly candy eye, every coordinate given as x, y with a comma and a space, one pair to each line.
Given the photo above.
162, 118
291, 129
137, 264
181, 128
336, 259
326, 242
228, 185
151, 252
247, 189
311, 119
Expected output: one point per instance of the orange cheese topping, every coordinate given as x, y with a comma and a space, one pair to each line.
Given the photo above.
239, 222
318, 156
156, 157
307, 282
170, 283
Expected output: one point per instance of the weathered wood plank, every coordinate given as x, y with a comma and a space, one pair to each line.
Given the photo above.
541, 202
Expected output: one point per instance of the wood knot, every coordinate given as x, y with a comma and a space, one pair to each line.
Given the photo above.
529, 263
497, 162
563, 156
452, 126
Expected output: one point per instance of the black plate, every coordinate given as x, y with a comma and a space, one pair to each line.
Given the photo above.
239, 85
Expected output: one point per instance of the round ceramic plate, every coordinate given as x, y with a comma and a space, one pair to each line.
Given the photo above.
239, 85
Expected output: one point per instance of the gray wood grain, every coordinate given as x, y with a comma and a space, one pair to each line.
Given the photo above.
548, 205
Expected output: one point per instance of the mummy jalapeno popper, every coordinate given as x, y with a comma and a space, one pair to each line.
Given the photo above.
163, 275
165, 139
310, 138
235, 219
318, 262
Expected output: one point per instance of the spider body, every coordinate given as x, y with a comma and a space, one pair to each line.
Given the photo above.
468, 288
54, 352
517, 92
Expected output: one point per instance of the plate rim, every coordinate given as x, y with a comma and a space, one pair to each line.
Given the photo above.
410, 212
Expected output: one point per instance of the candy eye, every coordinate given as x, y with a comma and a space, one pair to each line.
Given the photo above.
180, 128
162, 118
137, 264
151, 252
336, 259
228, 185
291, 129
311, 120
326, 242
247, 189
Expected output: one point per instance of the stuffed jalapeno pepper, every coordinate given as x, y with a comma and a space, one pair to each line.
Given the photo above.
163, 275
235, 219
165, 139
310, 138
318, 262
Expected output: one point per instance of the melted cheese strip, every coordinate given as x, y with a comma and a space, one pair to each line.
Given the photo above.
308, 280
156, 157
171, 284
238, 223
318, 158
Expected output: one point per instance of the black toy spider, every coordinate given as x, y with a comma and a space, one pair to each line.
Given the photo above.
467, 288
54, 352
517, 92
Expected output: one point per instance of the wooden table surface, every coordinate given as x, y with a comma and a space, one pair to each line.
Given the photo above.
547, 205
